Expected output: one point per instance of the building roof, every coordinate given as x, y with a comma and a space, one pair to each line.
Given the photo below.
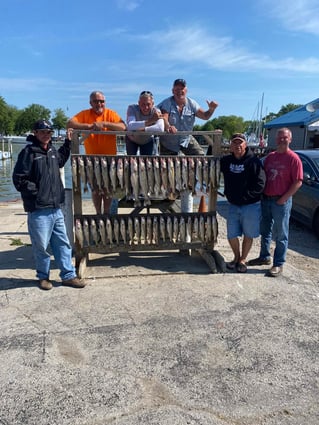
299, 116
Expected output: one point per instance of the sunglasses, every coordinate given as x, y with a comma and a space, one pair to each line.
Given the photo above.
146, 93
98, 101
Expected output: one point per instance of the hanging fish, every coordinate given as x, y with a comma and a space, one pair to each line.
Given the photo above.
208, 229
102, 231
175, 228
171, 175
182, 229
116, 231
217, 171
212, 174
113, 176
157, 176
123, 229
130, 230
143, 230
74, 170
120, 172
199, 173
149, 230
155, 231
189, 229
137, 229
98, 173
205, 173
184, 173
105, 176
169, 227
127, 182
195, 231
150, 175
215, 228
79, 237
202, 228
135, 181
143, 180
90, 172
164, 176
109, 231
93, 231
178, 174
82, 172
162, 228
86, 232
191, 175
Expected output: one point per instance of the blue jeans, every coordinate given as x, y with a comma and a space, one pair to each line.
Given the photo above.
147, 149
47, 226
275, 226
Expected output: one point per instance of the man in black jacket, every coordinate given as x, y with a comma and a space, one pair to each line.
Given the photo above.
36, 176
244, 181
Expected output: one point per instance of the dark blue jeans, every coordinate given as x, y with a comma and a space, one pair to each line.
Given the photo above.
132, 147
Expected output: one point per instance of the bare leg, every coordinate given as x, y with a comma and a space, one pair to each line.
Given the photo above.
97, 201
247, 243
106, 204
234, 244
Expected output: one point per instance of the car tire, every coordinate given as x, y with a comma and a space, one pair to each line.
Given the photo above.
315, 224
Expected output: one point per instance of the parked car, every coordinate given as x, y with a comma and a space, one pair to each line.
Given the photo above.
305, 202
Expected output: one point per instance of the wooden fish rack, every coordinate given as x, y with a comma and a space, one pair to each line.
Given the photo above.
124, 177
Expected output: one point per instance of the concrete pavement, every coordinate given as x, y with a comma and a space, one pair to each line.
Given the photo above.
155, 338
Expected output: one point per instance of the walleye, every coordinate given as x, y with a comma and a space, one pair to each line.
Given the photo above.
109, 231
123, 229
155, 231
137, 229
130, 230
171, 175
162, 228
205, 173
175, 228
143, 181
135, 181
102, 231
90, 172
157, 176
199, 173
79, 233
150, 175
120, 172
86, 232
178, 174
209, 229
105, 175
164, 176
82, 172
217, 171
98, 173
126, 171
184, 173
202, 228
169, 228
191, 175
149, 230
189, 229
143, 230
74, 173
113, 172
182, 229
116, 231
212, 174
93, 231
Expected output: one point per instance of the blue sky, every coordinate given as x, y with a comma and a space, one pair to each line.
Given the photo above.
55, 53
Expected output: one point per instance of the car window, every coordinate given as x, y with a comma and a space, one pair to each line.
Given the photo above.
308, 169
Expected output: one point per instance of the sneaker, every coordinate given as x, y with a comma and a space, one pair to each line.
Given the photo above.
75, 282
259, 262
275, 271
45, 284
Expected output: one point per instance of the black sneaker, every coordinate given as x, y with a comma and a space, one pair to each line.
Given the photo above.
259, 262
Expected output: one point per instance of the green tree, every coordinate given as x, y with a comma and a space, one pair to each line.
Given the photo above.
59, 120
29, 115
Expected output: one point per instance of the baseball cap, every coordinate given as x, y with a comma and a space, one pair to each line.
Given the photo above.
42, 125
238, 136
180, 82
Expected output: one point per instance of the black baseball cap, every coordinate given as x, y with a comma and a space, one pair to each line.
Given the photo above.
180, 82
42, 125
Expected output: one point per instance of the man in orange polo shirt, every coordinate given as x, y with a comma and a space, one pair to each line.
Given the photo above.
98, 118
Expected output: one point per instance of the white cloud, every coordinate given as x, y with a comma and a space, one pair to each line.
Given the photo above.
128, 5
